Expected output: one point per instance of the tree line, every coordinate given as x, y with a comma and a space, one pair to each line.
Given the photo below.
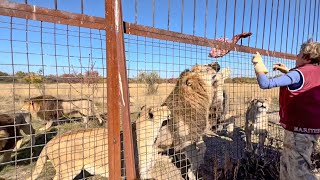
89, 77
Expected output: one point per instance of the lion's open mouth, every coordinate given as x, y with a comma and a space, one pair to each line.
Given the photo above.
262, 108
214, 79
213, 67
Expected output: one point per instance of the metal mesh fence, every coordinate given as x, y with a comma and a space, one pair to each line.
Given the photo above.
155, 66
47, 69
190, 90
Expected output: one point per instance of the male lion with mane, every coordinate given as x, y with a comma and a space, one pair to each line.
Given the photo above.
189, 103
49, 109
218, 111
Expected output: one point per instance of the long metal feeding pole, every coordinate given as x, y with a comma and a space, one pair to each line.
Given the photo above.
117, 92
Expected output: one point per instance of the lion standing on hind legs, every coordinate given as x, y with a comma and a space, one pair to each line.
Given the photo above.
189, 103
218, 111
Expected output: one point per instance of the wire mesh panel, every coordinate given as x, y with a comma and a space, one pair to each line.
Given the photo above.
154, 69
58, 74
176, 42
62, 73
196, 109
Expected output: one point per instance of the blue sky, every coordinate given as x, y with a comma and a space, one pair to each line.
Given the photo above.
274, 27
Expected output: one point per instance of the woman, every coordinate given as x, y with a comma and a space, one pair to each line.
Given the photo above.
299, 101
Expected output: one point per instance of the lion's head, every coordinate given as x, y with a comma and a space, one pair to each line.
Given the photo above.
200, 74
194, 86
34, 104
258, 105
189, 103
147, 129
44, 107
150, 120
30, 106
257, 114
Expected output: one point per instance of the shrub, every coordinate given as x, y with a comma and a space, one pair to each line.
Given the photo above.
37, 79
151, 79
240, 80
92, 77
70, 78
5, 77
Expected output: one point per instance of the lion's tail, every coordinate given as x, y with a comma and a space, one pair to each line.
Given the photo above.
39, 165
98, 113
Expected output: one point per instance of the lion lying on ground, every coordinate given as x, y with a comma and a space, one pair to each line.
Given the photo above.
49, 109
87, 149
10, 136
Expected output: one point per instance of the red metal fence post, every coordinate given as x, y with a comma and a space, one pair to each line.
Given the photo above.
113, 91
118, 97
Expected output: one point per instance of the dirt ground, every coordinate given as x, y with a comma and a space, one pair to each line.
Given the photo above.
12, 97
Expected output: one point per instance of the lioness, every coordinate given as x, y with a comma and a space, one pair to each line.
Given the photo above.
189, 103
151, 163
49, 109
218, 112
88, 149
257, 123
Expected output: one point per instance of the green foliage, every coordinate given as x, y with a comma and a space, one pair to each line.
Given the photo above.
37, 79
21, 74
3, 74
151, 79
33, 78
4, 77
242, 80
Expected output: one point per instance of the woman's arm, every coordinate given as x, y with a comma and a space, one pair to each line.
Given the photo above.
292, 78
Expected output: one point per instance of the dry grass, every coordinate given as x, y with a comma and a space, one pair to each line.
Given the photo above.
13, 94
12, 97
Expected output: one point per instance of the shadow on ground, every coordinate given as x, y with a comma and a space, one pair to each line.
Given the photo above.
227, 159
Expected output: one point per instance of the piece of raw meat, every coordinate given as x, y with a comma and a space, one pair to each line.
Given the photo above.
216, 53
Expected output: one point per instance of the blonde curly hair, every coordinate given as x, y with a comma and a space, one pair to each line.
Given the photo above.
311, 50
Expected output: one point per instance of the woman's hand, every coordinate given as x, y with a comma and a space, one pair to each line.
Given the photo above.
259, 66
280, 67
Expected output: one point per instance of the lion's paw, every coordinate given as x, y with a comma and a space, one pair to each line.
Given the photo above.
43, 129
226, 72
